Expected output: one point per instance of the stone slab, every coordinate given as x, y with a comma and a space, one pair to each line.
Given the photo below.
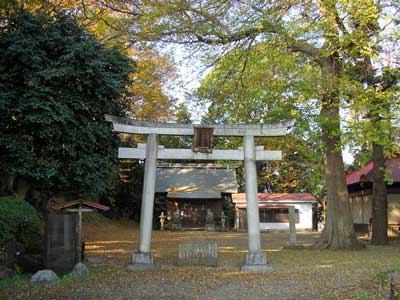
198, 254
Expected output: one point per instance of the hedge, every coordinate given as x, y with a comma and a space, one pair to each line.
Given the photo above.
18, 221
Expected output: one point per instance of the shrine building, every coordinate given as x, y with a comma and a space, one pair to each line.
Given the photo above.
359, 185
194, 188
274, 210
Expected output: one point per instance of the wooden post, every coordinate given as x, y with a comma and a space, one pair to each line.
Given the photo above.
79, 245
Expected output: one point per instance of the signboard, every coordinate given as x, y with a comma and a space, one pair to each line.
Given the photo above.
203, 139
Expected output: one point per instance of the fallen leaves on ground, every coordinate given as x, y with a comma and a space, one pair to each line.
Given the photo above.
298, 274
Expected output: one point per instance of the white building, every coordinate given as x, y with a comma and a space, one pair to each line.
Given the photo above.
274, 210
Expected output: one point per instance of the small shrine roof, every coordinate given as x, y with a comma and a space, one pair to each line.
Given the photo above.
76, 202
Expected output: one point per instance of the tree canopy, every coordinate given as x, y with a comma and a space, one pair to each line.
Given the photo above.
56, 83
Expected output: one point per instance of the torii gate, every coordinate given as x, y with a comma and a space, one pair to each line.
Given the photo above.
143, 259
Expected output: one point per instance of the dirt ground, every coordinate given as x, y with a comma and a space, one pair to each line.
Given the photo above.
298, 274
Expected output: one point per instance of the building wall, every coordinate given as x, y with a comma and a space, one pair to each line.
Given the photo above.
305, 218
394, 208
193, 211
362, 208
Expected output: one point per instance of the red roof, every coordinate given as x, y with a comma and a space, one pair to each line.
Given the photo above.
81, 202
262, 205
364, 174
276, 197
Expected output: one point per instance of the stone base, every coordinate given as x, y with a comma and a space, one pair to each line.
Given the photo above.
143, 261
256, 268
293, 247
143, 267
210, 228
256, 262
176, 226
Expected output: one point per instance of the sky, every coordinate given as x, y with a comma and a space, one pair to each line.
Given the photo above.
189, 74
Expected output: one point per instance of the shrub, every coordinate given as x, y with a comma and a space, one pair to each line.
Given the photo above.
19, 221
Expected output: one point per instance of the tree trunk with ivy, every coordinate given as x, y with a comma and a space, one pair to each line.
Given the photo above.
338, 232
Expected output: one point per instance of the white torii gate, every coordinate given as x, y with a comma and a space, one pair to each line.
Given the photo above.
143, 259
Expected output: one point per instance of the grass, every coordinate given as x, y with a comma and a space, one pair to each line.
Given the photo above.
14, 281
298, 274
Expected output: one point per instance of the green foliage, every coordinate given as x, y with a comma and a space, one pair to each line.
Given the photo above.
18, 221
265, 83
14, 282
365, 296
56, 83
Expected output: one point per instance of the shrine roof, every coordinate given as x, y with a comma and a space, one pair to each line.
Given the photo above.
364, 174
276, 197
195, 182
87, 203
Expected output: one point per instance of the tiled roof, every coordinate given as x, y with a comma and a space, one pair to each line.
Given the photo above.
364, 174
84, 202
276, 197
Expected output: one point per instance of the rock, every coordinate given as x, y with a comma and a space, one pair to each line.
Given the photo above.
80, 269
44, 277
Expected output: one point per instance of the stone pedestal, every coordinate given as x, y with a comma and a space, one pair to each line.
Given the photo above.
256, 262
292, 232
143, 261
176, 225
210, 226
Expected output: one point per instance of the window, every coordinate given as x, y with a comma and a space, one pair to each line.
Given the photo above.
277, 215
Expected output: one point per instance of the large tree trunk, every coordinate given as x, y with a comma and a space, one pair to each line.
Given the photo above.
338, 232
22, 187
379, 198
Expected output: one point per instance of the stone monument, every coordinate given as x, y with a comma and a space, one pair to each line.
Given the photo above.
198, 254
162, 220
176, 220
292, 231
223, 220
210, 225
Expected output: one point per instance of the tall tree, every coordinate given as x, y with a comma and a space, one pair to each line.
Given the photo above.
56, 83
374, 77
149, 101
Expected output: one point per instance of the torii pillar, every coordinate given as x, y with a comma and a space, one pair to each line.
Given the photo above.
143, 259
256, 260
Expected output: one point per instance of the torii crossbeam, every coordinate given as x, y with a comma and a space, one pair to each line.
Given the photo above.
143, 259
